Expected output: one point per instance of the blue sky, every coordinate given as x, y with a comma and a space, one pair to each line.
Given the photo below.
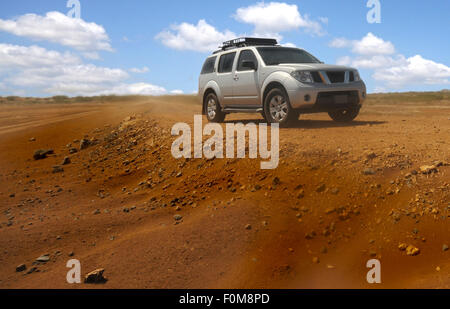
146, 47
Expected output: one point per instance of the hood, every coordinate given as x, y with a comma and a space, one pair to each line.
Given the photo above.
316, 67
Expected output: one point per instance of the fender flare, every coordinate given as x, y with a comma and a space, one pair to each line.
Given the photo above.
276, 78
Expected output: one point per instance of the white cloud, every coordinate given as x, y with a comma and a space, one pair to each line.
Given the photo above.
201, 37
139, 70
14, 56
176, 92
58, 28
269, 19
340, 43
368, 45
288, 44
391, 70
134, 89
414, 70
56, 73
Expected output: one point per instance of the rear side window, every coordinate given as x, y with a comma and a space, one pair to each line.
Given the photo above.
208, 67
246, 55
226, 63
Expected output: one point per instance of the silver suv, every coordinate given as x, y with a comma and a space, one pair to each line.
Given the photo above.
250, 75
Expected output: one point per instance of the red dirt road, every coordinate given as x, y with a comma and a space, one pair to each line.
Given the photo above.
312, 223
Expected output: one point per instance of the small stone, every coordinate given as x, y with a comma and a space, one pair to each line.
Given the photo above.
42, 154
428, 169
248, 227
321, 188
43, 259
444, 247
21, 268
276, 181
57, 169
84, 143
371, 155
66, 161
369, 171
178, 217
402, 246
95, 277
412, 251
316, 260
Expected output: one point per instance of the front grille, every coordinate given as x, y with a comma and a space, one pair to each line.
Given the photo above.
336, 76
316, 77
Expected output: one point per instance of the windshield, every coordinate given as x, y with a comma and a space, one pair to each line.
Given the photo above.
279, 55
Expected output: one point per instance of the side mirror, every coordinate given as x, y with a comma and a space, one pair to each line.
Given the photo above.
249, 65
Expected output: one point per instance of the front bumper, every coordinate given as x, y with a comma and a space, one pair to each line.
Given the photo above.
323, 96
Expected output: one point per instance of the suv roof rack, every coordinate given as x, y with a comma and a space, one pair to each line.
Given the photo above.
244, 42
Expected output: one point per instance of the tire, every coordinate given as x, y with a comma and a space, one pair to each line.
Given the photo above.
213, 110
277, 108
344, 115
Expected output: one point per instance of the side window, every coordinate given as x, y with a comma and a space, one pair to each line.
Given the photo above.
208, 67
246, 55
226, 63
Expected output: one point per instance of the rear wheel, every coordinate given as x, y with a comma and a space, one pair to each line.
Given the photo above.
277, 108
344, 115
212, 109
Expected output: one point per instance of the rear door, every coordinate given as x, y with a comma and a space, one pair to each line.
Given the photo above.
245, 87
225, 77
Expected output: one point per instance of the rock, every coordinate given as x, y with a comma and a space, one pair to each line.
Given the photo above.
310, 235
444, 247
248, 227
178, 217
43, 258
57, 169
42, 154
33, 139
371, 155
66, 161
95, 277
32, 270
84, 143
402, 246
412, 251
369, 171
316, 260
276, 181
428, 169
21, 268
321, 188
73, 150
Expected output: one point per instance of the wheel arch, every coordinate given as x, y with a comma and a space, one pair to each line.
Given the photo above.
210, 87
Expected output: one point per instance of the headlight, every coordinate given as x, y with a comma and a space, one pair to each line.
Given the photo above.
357, 77
303, 76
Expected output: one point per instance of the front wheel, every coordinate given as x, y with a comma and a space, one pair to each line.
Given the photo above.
277, 108
213, 110
344, 115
